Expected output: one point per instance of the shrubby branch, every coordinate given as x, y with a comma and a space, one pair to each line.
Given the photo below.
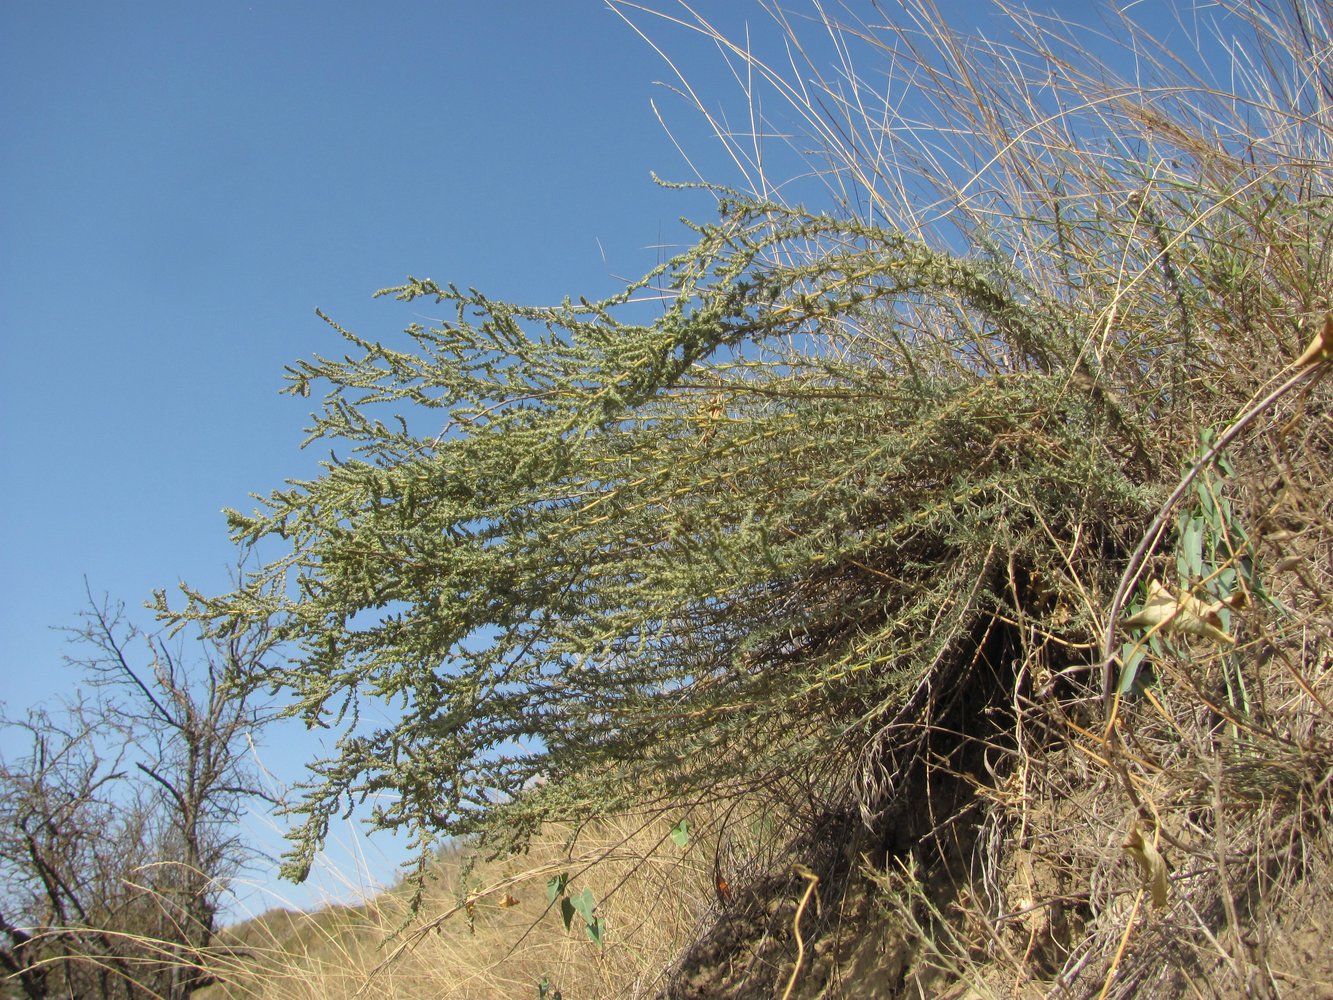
119, 825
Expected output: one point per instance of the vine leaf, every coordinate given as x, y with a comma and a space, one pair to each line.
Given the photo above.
555, 886
585, 904
680, 834
567, 911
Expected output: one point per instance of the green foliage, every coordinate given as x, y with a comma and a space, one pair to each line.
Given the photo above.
680, 834
679, 555
1216, 565
583, 904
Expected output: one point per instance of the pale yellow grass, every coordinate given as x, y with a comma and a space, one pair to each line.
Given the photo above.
497, 935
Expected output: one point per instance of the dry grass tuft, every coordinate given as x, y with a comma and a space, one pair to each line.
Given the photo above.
489, 929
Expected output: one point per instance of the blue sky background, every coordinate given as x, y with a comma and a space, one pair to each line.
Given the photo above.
182, 184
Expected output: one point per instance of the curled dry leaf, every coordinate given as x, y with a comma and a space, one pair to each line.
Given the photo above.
1184, 614
1150, 861
723, 888
1321, 348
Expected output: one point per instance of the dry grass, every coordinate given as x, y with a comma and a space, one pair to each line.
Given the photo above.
489, 929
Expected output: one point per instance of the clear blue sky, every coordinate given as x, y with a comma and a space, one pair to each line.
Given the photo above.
181, 184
